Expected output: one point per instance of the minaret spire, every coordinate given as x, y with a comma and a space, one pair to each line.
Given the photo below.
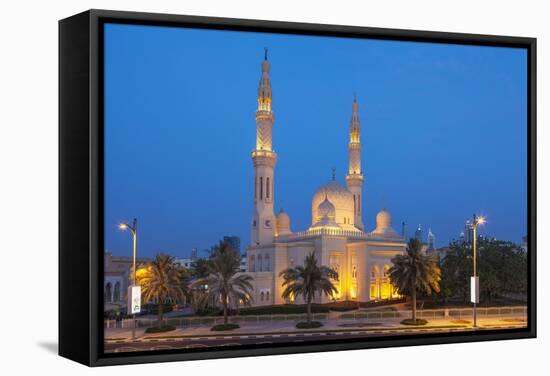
264, 89
264, 159
354, 178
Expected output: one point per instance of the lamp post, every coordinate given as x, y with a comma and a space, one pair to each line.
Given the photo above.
133, 229
478, 220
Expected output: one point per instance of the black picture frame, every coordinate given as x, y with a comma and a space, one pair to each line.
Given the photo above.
81, 182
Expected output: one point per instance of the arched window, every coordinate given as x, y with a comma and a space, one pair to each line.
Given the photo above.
374, 272
354, 205
385, 288
260, 263
267, 296
267, 187
358, 203
267, 263
252, 266
255, 187
116, 293
375, 283
354, 271
107, 293
261, 188
262, 296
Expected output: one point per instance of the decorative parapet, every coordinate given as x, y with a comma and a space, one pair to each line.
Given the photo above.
325, 232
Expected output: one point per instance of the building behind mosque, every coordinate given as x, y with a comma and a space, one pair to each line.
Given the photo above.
337, 234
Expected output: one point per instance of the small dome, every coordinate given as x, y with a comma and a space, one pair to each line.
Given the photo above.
326, 210
283, 223
342, 200
383, 219
326, 213
383, 226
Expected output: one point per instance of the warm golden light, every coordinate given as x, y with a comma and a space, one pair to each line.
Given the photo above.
123, 226
480, 220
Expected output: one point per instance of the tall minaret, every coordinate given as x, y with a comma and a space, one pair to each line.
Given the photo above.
354, 178
264, 158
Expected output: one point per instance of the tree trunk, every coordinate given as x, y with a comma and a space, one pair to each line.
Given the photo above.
160, 313
414, 305
225, 319
309, 310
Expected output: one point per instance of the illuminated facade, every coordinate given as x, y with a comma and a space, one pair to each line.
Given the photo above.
337, 234
117, 271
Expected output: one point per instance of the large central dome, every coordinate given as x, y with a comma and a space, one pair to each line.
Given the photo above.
341, 198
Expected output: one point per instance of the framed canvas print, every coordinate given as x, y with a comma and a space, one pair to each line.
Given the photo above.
237, 187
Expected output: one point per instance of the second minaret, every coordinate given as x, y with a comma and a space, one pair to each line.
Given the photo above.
264, 159
354, 179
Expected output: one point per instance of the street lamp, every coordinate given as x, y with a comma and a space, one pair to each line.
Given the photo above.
133, 229
478, 220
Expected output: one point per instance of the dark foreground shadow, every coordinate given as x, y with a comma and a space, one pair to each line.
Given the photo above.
49, 346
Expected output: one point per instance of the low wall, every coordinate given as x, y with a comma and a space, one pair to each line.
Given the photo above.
208, 320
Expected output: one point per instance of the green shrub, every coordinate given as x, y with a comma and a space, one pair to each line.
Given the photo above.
412, 322
310, 325
344, 306
154, 308
162, 329
285, 309
221, 327
208, 312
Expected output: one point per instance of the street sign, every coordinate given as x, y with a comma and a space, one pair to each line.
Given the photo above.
474, 289
134, 299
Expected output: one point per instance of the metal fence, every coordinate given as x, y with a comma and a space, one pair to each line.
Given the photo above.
452, 313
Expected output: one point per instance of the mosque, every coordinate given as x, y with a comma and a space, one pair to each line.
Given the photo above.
337, 234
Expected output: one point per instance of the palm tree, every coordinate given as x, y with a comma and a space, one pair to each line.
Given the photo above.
224, 283
160, 280
308, 279
414, 271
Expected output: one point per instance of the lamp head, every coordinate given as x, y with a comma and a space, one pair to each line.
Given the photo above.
480, 220
123, 226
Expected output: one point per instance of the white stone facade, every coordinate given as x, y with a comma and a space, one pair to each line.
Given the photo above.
336, 234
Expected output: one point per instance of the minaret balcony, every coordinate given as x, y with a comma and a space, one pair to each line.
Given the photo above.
264, 115
264, 157
355, 177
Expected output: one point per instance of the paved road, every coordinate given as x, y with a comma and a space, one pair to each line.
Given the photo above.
150, 344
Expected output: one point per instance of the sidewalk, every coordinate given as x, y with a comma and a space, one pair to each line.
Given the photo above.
285, 327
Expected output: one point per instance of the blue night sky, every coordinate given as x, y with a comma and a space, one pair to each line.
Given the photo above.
443, 127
